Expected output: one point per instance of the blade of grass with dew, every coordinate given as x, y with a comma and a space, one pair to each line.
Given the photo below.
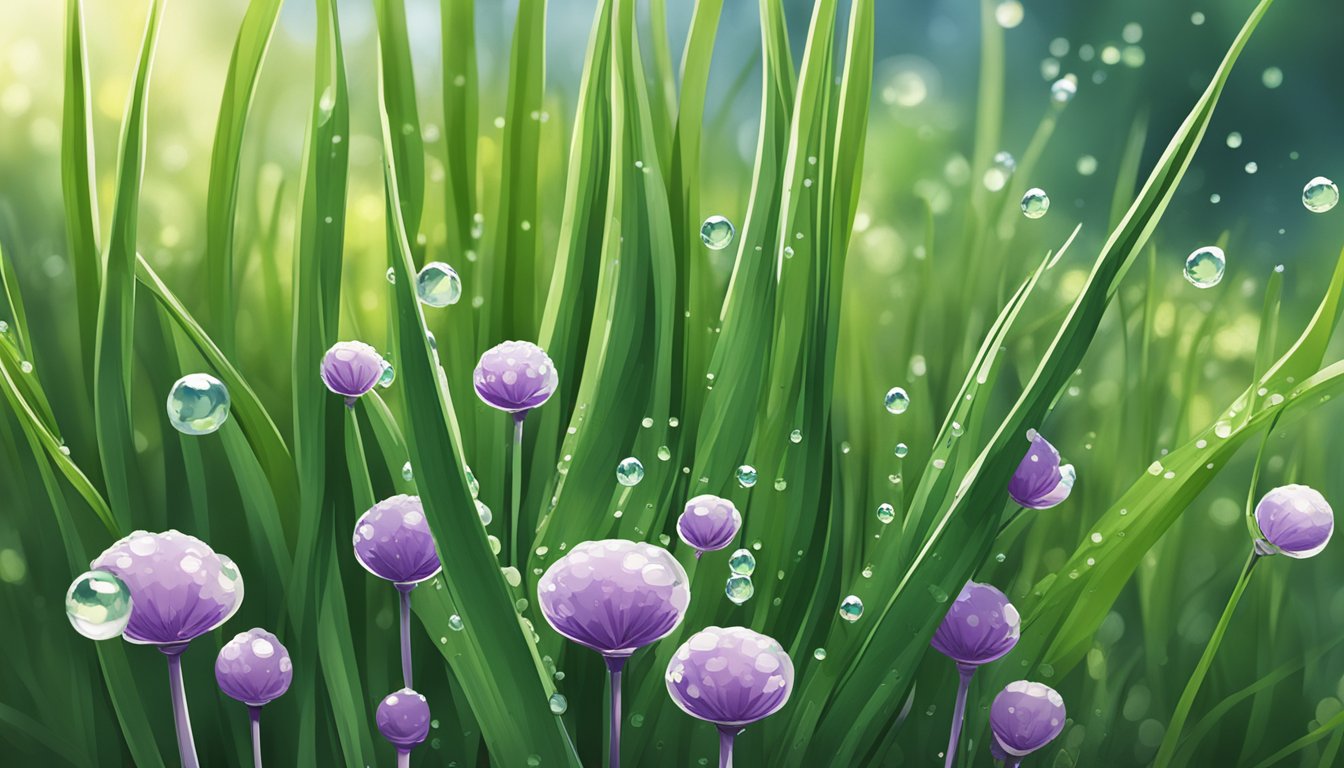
958, 541
116, 306
77, 173
249, 51
460, 115
398, 84
505, 691
663, 82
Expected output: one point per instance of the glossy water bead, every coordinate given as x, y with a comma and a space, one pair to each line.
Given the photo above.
1035, 203
885, 513
629, 472
746, 476
1320, 195
717, 233
98, 605
896, 400
742, 562
902, 450
388, 375
198, 404
1064, 89
438, 285
1204, 268
851, 609
739, 589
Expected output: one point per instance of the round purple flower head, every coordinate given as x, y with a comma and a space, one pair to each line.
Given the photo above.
730, 676
709, 523
254, 668
1026, 716
515, 377
1295, 520
1040, 482
403, 718
180, 588
392, 541
614, 596
351, 368
980, 627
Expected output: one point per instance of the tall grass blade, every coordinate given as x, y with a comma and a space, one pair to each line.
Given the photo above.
77, 175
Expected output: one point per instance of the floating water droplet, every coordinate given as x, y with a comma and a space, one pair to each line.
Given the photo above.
407, 473
1035, 203
896, 400
198, 404
998, 173
742, 562
98, 605
819, 654
1008, 13
885, 513
1252, 167
1064, 89
796, 436
558, 703
455, 623
716, 233
629, 472
739, 589
851, 609
902, 450
438, 285
1204, 268
746, 476
1320, 195
388, 375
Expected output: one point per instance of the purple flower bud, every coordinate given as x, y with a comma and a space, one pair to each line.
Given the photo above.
980, 627
1026, 716
709, 523
730, 676
403, 718
1040, 482
351, 368
392, 541
1294, 520
614, 596
515, 377
254, 668
180, 588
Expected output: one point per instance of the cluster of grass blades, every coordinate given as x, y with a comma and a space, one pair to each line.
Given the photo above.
691, 366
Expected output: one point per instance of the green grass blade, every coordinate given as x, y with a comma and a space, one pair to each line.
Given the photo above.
77, 177
460, 115
398, 84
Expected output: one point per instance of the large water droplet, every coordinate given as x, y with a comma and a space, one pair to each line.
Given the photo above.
407, 472
629, 472
739, 589
1035, 203
558, 703
455, 623
746, 476
484, 513
98, 605
198, 404
1320, 195
1204, 268
742, 562
885, 513
896, 400
796, 436
902, 450
438, 285
851, 609
388, 375
716, 233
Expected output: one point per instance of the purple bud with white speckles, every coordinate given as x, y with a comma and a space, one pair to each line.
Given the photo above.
709, 523
515, 377
980, 627
254, 668
351, 368
1040, 482
403, 719
1026, 716
393, 542
1295, 521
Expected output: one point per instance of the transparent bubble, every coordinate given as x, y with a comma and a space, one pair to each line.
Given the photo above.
739, 589
717, 233
885, 513
742, 562
438, 285
1204, 268
388, 375
851, 609
198, 404
558, 703
98, 605
1035, 203
1320, 195
896, 400
629, 472
746, 476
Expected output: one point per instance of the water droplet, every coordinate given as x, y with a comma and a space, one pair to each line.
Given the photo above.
198, 404
716, 233
742, 562
1008, 13
511, 575
851, 608
1035, 203
739, 589
746, 476
495, 546
819, 654
902, 450
472, 482
957, 429
664, 453
26, 366
558, 703
484, 513
1087, 165
1252, 167
388, 375
1000, 557
1320, 195
1272, 77
1204, 268
1063, 90
938, 593
391, 275
98, 605
998, 173
647, 422
781, 484
796, 436
455, 623
896, 400
629, 472
438, 285
407, 473
885, 513
532, 760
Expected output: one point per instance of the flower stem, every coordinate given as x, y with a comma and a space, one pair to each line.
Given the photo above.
254, 714
958, 712
726, 736
1012, 761
1164, 753
614, 666
515, 499
403, 758
405, 590
186, 745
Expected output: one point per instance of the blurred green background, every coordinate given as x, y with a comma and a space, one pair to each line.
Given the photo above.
1145, 60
